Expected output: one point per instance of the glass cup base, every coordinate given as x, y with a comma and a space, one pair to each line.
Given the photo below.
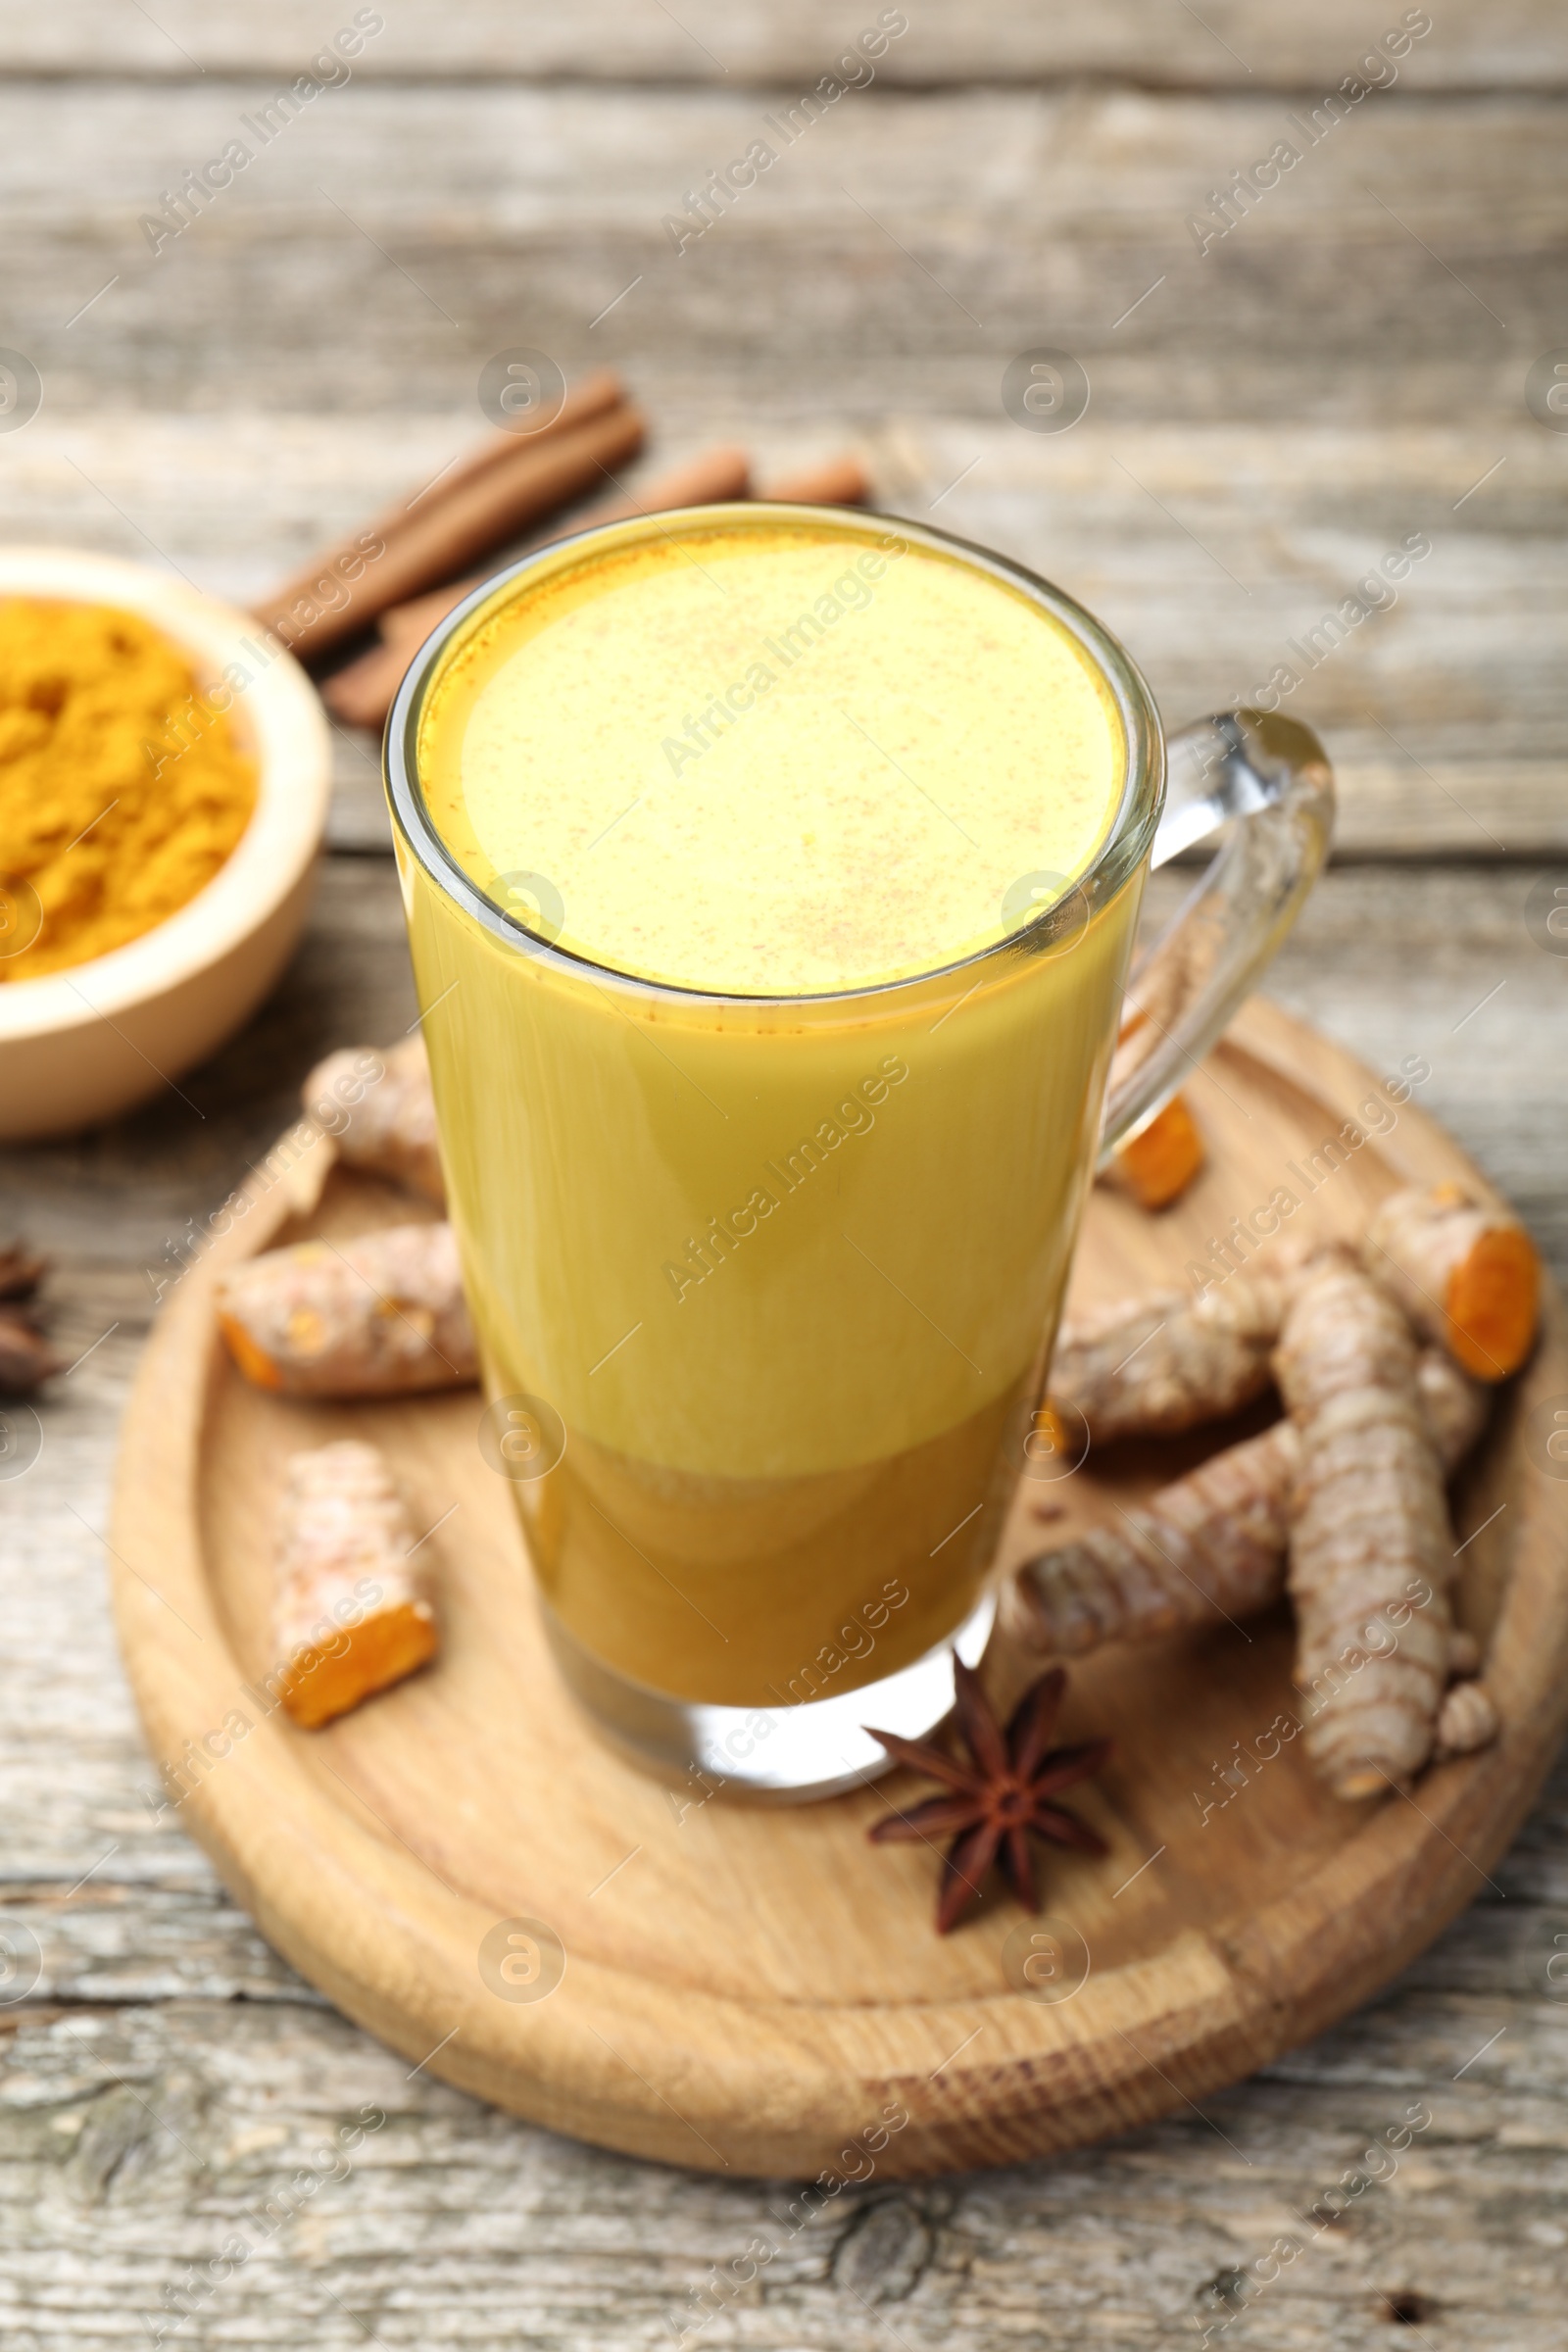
785, 1755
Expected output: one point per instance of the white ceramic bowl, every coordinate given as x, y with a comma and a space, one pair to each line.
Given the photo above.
78, 1047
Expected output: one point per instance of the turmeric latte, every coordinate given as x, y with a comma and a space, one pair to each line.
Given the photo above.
776, 1274
107, 824
772, 757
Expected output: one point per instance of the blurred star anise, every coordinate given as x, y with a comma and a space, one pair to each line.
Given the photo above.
21, 1271
26, 1355
1000, 1797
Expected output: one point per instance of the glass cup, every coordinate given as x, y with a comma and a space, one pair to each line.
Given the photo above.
765, 1287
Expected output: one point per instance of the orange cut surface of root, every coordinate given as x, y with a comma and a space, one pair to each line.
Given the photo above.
1160, 1162
1491, 1303
319, 1684
252, 1360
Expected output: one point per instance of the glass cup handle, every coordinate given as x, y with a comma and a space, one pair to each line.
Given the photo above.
1266, 780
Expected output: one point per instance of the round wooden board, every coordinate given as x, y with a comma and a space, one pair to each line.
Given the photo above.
760, 1990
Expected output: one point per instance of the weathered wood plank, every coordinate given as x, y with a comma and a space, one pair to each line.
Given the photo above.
1212, 548
1243, 42
1448, 971
136, 2143
893, 256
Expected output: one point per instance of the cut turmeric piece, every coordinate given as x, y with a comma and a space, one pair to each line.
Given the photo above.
350, 1615
1466, 1276
381, 1110
380, 1315
1157, 1163
252, 1360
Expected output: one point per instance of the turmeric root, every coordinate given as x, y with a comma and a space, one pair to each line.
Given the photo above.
1464, 1654
381, 1111
1157, 1163
380, 1315
1467, 1720
1168, 1362
1467, 1277
1210, 1546
1207, 1547
1371, 1551
350, 1616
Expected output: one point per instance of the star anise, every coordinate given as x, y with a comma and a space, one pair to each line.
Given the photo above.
26, 1355
1000, 1797
21, 1271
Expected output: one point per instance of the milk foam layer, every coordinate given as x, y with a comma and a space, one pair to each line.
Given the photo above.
770, 757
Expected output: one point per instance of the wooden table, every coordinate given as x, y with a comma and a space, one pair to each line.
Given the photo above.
1345, 369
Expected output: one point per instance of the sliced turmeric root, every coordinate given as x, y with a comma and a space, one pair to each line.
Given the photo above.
317, 1685
350, 1613
1467, 1277
380, 1315
1491, 1302
252, 1358
1157, 1163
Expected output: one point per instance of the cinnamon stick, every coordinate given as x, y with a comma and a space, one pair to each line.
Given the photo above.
837, 482
705, 481
595, 396
361, 694
490, 505
324, 579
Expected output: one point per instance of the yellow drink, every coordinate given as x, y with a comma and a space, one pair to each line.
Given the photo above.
766, 1174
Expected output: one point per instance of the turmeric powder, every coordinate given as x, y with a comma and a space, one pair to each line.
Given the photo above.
113, 812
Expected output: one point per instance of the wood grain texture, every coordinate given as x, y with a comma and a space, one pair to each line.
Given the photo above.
1264, 429
742, 1990
904, 248
1232, 43
460, 2227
